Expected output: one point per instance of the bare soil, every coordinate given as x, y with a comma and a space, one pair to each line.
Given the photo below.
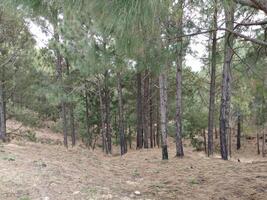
48, 171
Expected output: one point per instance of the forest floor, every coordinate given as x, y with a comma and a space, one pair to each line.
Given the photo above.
46, 170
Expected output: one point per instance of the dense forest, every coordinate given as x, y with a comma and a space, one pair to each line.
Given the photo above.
115, 71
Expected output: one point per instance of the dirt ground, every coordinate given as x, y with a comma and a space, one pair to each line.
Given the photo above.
32, 170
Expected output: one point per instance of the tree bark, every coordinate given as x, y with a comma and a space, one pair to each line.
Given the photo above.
238, 140
151, 127
102, 116
121, 120
107, 116
60, 81
89, 135
146, 110
163, 113
263, 142
205, 140
71, 110
212, 83
258, 143
139, 138
2, 112
179, 63
226, 79
230, 142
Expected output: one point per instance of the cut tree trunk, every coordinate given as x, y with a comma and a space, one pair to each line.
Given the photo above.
163, 113
212, 83
139, 138
226, 79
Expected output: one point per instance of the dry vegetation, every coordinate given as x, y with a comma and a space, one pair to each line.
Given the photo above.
35, 170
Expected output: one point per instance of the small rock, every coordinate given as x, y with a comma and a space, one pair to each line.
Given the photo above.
137, 193
76, 192
45, 198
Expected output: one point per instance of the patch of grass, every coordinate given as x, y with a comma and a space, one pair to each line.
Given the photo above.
193, 182
136, 173
31, 136
24, 198
9, 158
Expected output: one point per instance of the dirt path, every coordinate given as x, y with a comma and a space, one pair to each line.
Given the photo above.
30, 171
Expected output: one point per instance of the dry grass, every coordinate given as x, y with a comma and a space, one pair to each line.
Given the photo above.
30, 171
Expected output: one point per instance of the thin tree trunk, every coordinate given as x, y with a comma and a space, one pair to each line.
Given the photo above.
71, 110
102, 116
163, 113
230, 142
130, 137
205, 140
90, 137
179, 63
2, 112
212, 83
151, 128
146, 110
60, 81
258, 143
263, 142
121, 120
107, 112
226, 79
238, 141
139, 138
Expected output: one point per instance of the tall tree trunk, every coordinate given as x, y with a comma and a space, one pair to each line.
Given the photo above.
130, 137
139, 138
258, 143
121, 120
151, 127
230, 142
163, 113
71, 109
226, 79
205, 140
2, 112
107, 112
60, 81
72, 125
158, 123
238, 140
179, 63
102, 116
212, 83
146, 110
263, 142
89, 135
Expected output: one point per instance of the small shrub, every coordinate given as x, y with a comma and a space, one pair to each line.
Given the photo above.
31, 136
197, 143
